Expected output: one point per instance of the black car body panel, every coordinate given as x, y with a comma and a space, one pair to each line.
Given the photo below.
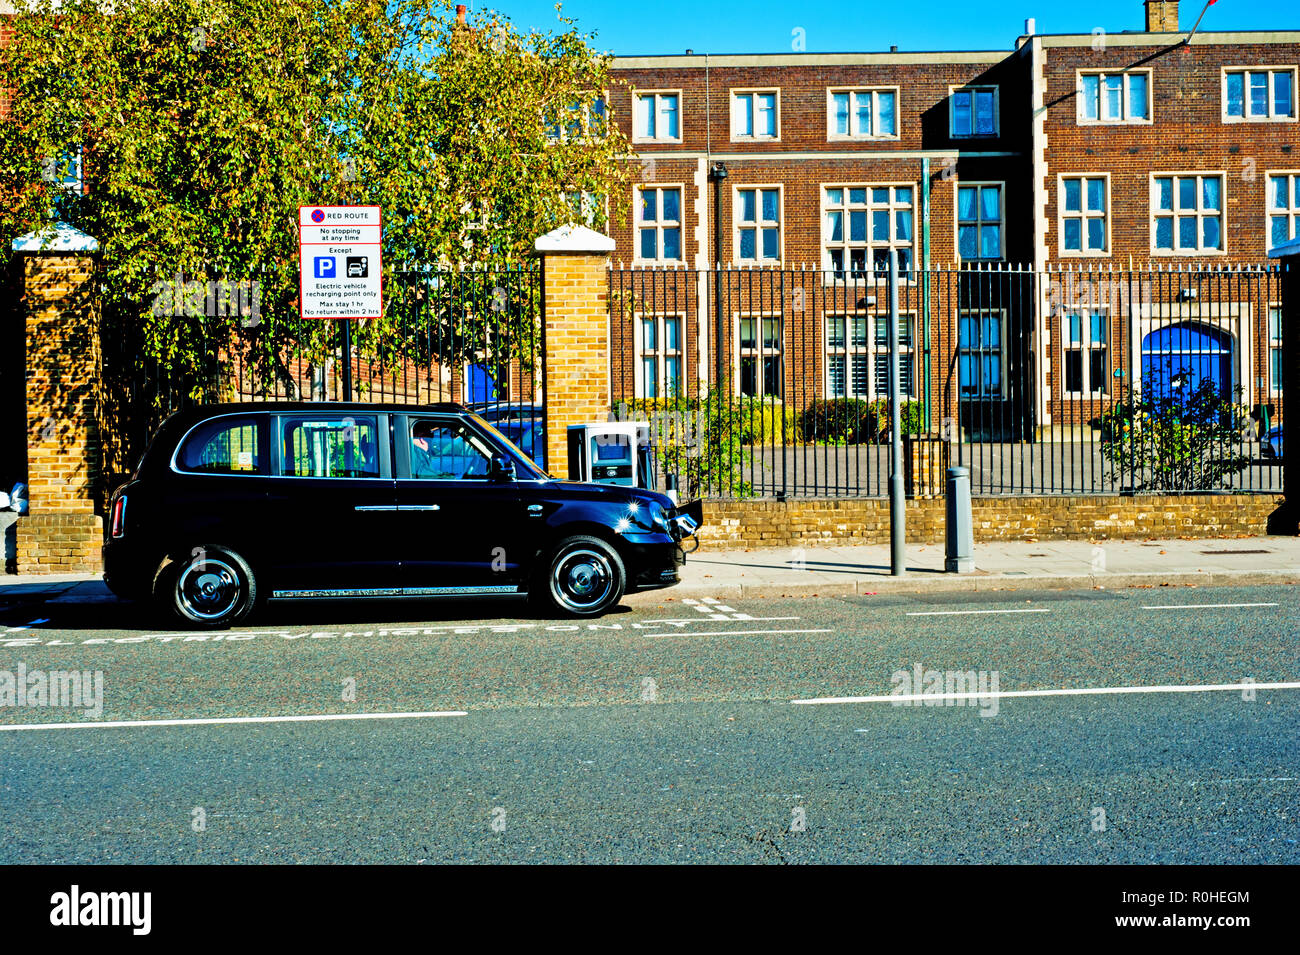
417, 501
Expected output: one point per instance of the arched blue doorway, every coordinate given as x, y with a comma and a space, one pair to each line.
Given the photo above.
1178, 357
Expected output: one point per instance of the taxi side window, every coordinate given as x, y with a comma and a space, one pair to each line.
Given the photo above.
334, 447
447, 452
223, 446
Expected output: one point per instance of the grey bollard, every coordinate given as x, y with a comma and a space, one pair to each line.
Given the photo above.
960, 535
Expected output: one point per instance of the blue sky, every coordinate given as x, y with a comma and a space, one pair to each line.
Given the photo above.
766, 26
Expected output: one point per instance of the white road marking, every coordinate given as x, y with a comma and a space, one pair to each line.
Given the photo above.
960, 613
314, 718
1065, 691
26, 625
728, 633
1202, 606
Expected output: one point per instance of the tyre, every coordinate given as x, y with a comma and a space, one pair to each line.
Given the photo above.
212, 590
584, 577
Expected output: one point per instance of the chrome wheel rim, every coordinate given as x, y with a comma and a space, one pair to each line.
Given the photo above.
582, 579
208, 589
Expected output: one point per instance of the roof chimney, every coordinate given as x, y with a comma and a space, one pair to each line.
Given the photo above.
460, 13
1030, 27
1162, 16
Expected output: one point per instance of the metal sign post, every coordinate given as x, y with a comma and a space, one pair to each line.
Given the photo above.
897, 505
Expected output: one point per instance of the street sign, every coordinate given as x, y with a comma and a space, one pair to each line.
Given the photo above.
339, 258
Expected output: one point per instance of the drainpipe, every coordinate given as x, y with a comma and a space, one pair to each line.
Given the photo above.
925, 287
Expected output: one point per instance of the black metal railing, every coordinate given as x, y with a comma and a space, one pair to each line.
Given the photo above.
465, 335
1041, 381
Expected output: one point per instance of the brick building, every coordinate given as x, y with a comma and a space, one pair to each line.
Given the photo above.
1060, 196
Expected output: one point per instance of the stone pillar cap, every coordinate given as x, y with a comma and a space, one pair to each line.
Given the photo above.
59, 237
574, 238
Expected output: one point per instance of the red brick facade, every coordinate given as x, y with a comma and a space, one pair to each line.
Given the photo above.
1042, 135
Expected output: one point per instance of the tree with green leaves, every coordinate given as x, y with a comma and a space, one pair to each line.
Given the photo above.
199, 127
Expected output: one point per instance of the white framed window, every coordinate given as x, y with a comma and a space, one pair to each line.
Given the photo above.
755, 114
659, 356
759, 353
656, 116
1283, 206
1085, 359
1083, 204
1187, 213
757, 224
1259, 95
857, 366
862, 113
580, 121
585, 208
1275, 350
861, 223
981, 354
980, 213
973, 111
659, 224
1114, 97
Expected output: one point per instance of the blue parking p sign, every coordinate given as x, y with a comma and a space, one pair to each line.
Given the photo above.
324, 267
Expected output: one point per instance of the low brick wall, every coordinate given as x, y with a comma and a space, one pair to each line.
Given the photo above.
729, 524
59, 544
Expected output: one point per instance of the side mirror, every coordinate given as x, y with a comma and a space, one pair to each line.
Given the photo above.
501, 469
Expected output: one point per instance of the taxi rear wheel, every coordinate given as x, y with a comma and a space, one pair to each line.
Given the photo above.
584, 577
212, 589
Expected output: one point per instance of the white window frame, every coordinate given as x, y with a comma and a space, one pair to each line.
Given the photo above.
1125, 119
1002, 221
759, 223
753, 93
1245, 116
637, 137
872, 349
759, 352
1155, 213
579, 114
1086, 347
660, 353
638, 224
856, 136
1001, 313
869, 245
973, 89
1083, 215
1292, 210
1273, 343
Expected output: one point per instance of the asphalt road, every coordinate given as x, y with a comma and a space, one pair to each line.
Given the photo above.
668, 732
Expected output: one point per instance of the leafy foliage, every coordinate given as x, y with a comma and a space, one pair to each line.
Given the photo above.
856, 420
1179, 440
700, 439
202, 125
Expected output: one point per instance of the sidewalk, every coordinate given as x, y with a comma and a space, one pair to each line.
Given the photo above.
775, 572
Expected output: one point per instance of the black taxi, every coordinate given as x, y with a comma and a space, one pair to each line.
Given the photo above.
235, 504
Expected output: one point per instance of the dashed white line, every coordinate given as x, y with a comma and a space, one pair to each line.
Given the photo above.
728, 633
960, 613
218, 721
1064, 691
1202, 606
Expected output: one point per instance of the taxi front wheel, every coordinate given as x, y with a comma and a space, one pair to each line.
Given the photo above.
584, 577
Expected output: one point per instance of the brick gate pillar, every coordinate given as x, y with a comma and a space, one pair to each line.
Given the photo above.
62, 532
575, 317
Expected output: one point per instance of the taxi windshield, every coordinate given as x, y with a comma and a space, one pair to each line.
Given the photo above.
514, 448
